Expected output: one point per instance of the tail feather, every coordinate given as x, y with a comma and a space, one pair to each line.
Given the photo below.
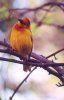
26, 68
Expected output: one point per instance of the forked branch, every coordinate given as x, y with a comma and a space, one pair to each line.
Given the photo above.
36, 60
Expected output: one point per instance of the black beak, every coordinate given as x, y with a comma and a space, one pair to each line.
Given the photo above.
21, 21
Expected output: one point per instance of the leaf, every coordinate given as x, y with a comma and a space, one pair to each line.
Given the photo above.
33, 28
3, 13
48, 19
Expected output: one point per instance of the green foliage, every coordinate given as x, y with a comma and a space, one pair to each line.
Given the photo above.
48, 19
33, 28
3, 13
12, 21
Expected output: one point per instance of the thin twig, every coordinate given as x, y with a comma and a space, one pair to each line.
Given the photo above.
21, 83
38, 61
55, 53
3, 43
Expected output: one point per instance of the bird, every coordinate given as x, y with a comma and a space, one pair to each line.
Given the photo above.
21, 39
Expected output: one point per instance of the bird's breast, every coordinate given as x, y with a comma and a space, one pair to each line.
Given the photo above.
21, 42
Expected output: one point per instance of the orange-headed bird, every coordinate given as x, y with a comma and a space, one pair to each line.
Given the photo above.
21, 40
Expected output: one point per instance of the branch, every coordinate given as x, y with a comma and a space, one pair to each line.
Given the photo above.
57, 26
41, 7
55, 53
42, 65
45, 60
38, 58
46, 7
35, 60
21, 84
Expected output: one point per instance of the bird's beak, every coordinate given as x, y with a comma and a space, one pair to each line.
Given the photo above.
21, 21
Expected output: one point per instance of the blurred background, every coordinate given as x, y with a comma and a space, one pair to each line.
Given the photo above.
47, 26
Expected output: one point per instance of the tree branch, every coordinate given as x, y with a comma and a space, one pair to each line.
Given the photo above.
35, 60
21, 84
38, 58
41, 7
55, 53
44, 7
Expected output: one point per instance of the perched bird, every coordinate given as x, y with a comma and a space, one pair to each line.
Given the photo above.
21, 40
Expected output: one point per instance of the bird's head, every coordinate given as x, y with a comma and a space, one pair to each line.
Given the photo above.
25, 22
22, 24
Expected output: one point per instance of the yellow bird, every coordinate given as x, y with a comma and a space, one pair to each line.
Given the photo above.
21, 39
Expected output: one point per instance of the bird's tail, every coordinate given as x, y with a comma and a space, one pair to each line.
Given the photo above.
26, 68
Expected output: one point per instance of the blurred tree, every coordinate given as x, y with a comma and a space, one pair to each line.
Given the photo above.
6, 3
5, 20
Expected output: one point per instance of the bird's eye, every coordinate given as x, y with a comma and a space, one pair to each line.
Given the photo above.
27, 23
24, 23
